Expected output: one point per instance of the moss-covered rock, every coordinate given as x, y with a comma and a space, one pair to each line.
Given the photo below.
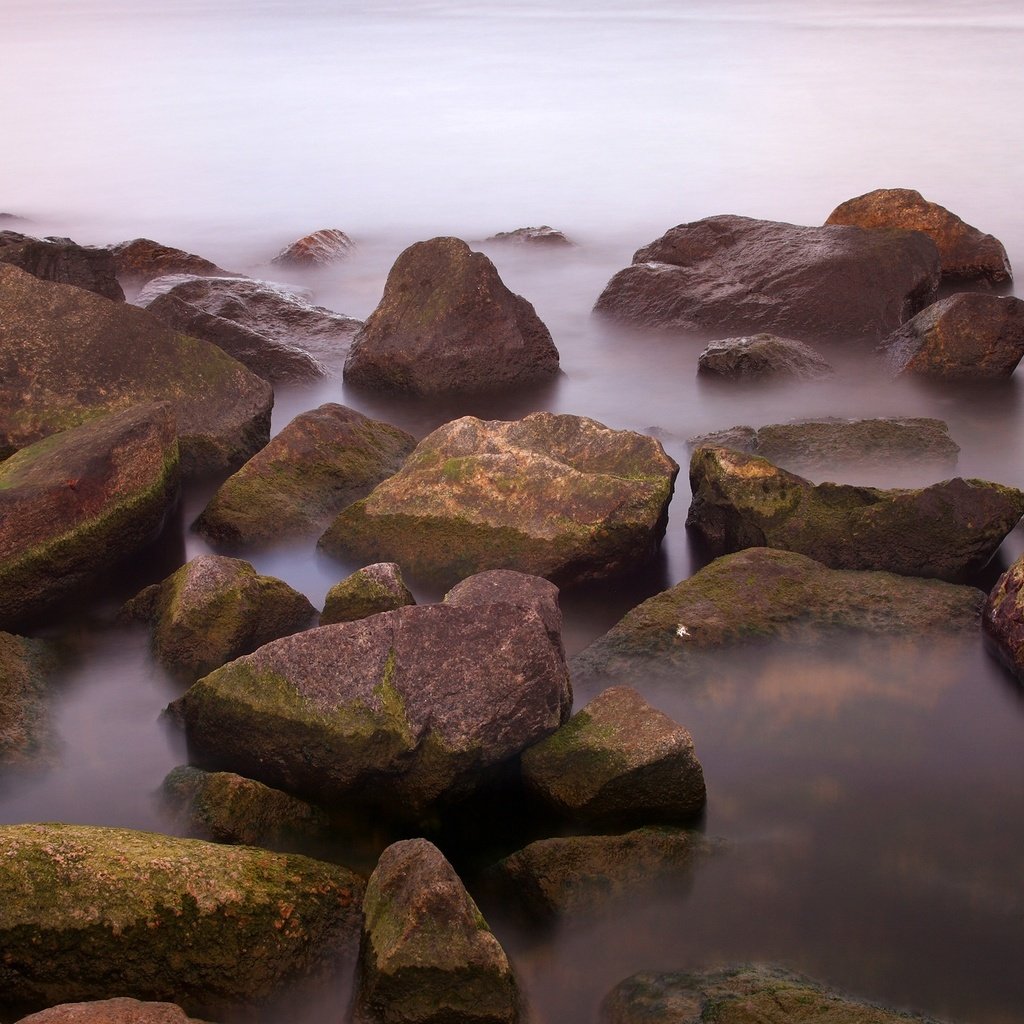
215, 609
74, 504
121, 1010
760, 356
618, 761
557, 496
1003, 618
25, 735
427, 955
90, 913
67, 355
764, 594
322, 461
372, 589
946, 531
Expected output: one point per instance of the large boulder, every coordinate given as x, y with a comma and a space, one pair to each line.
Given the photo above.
552, 495
447, 323
427, 955
139, 260
91, 913
966, 253
319, 249
63, 261
947, 531
618, 761
761, 356
215, 609
120, 1010
1003, 620
368, 591
735, 275
398, 710
967, 336
761, 594
75, 504
321, 462
67, 355
25, 734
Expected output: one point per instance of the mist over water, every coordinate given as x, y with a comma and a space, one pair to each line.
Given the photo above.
869, 792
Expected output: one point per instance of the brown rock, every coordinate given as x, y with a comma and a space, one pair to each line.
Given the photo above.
368, 591
543, 236
25, 731
1003, 619
63, 261
761, 356
121, 1010
319, 249
139, 260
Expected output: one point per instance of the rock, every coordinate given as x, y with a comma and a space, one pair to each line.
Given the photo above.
215, 609
736, 275
618, 761
966, 253
80, 501
760, 356
1003, 620
427, 955
25, 733
395, 711
545, 236
588, 875
739, 995
321, 462
320, 249
62, 261
368, 591
968, 336
557, 496
139, 260
448, 324
121, 1010
87, 913
66, 356
761, 594
946, 531
228, 808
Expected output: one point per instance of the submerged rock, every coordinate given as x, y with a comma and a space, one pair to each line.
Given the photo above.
62, 261
78, 502
968, 336
544, 236
966, 253
368, 591
139, 260
427, 955
89, 913
121, 1010
946, 531
320, 249
737, 275
1003, 620
557, 496
25, 732
67, 355
447, 323
215, 609
321, 462
760, 356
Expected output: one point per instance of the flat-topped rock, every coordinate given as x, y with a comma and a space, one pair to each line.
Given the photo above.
368, 591
26, 736
62, 261
761, 356
544, 236
319, 249
121, 1010
139, 260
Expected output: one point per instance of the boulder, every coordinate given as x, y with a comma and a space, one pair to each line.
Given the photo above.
76, 503
121, 1010
616, 762
966, 253
762, 594
946, 531
62, 261
397, 711
25, 733
139, 260
427, 955
761, 356
321, 462
1003, 619
447, 323
552, 495
545, 236
215, 609
967, 336
88, 913
320, 249
67, 355
368, 591
735, 275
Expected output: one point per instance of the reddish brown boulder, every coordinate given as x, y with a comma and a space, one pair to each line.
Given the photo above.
319, 249
121, 1010
141, 259
63, 261
1003, 618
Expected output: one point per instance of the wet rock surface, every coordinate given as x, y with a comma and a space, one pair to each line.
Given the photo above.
62, 261
121, 1010
761, 356
557, 496
739, 275
319, 249
447, 323
1003, 619
139, 260
543, 236
26, 735
368, 591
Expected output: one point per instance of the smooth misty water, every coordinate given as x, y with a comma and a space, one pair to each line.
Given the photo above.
871, 793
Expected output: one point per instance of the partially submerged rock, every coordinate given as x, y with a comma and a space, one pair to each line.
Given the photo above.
447, 323
736, 275
618, 761
427, 955
25, 734
139, 260
967, 336
215, 609
321, 462
761, 356
947, 531
80, 501
62, 261
319, 249
89, 913
544, 236
67, 355
368, 591
121, 1010
967, 254
1003, 620
552, 495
